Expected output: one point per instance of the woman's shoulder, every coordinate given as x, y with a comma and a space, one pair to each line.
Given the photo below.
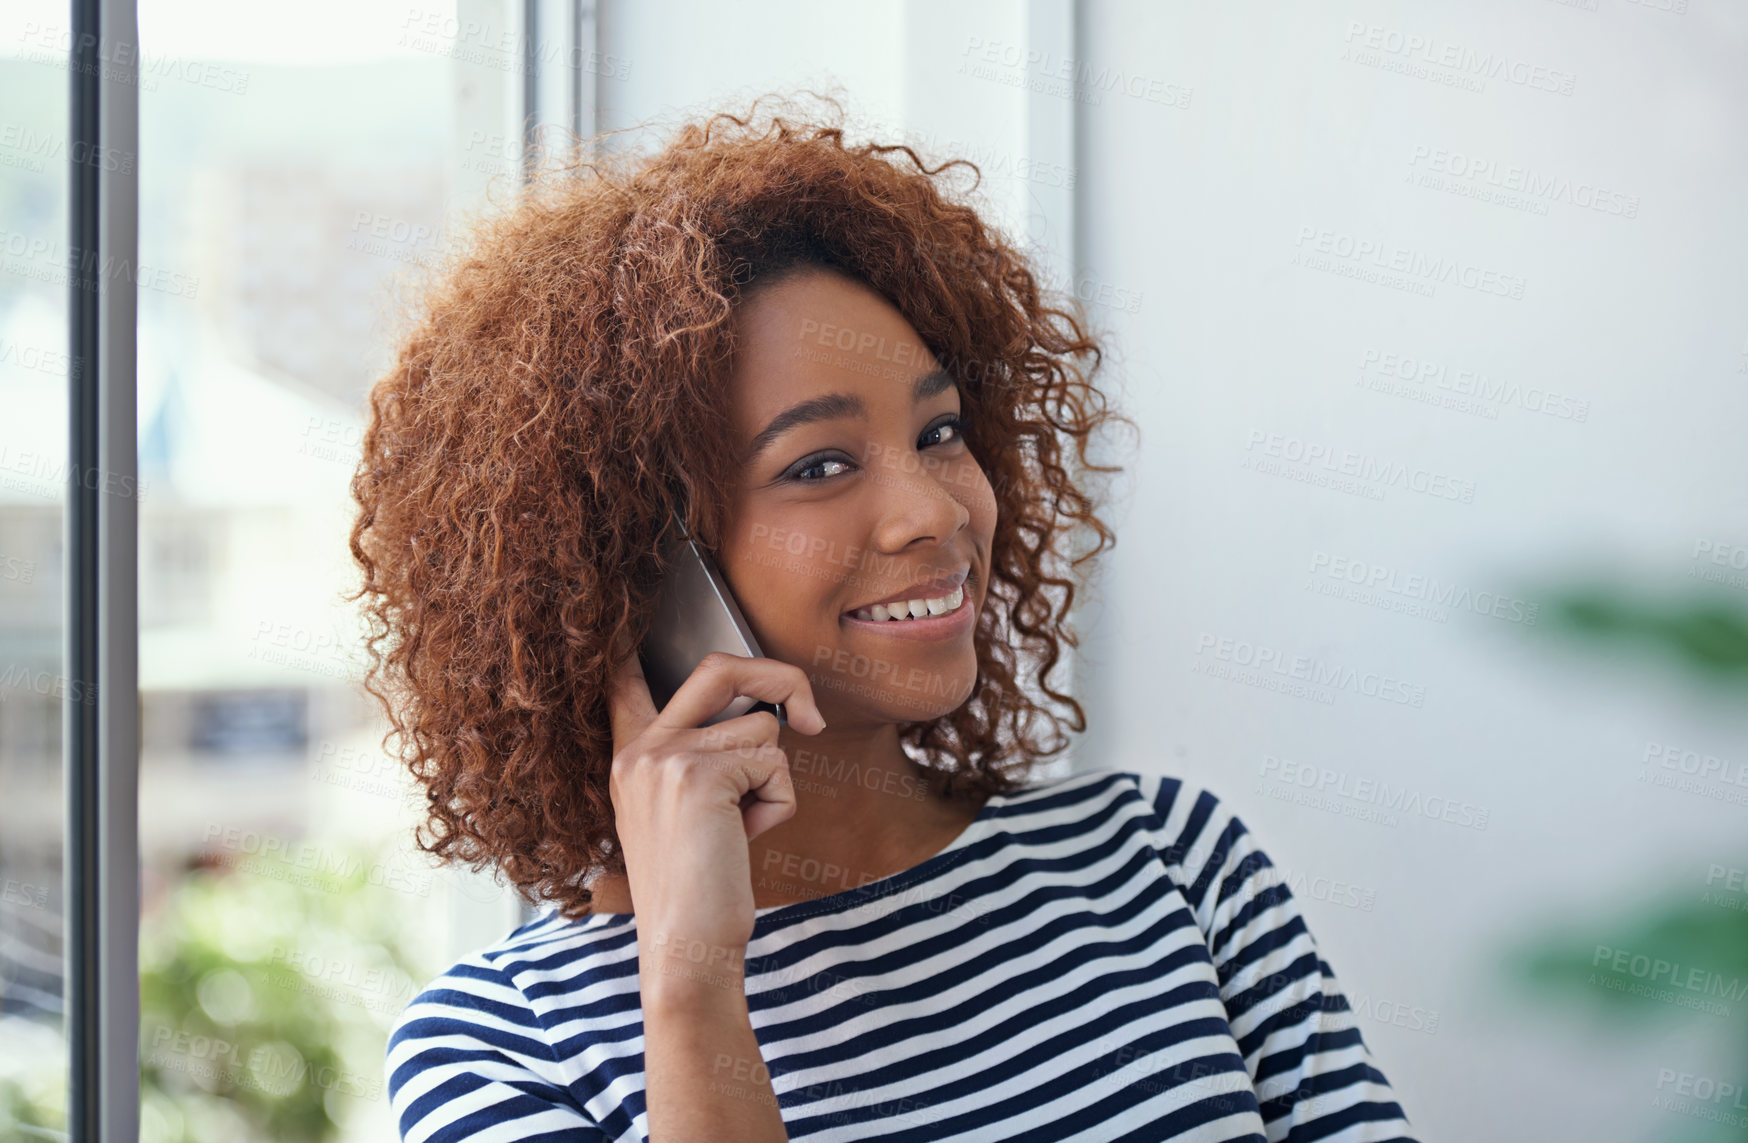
1184, 819
505, 994
1182, 806
486, 1032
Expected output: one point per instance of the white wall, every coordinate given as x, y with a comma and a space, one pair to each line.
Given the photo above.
1253, 127
1643, 318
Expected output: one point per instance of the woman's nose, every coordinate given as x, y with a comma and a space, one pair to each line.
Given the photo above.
915, 499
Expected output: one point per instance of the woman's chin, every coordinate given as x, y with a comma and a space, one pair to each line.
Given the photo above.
877, 680
898, 705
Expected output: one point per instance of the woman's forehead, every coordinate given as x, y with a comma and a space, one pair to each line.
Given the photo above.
820, 332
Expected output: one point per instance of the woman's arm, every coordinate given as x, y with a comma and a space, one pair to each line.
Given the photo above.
1309, 1066
704, 1077
468, 1059
686, 801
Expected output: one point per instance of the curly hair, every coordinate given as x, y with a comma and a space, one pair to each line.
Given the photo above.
564, 375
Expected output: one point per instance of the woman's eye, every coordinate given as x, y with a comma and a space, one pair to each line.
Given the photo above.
809, 466
954, 427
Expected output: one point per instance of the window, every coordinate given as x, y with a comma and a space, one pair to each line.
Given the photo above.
286, 178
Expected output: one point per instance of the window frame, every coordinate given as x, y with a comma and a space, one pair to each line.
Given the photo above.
100, 746
100, 712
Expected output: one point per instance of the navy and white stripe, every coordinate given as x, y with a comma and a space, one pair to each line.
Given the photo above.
1107, 956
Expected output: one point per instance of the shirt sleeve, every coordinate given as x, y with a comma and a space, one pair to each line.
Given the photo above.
469, 1062
1311, 1070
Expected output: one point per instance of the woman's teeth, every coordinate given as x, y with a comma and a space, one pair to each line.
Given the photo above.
913, 608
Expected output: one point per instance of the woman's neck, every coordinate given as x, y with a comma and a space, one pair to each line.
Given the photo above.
864, 811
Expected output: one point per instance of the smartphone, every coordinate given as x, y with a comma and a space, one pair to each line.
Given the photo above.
695, 615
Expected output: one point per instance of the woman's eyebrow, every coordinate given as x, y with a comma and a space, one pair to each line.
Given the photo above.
834, 405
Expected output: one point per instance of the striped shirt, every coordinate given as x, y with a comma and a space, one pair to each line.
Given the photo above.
1106, 956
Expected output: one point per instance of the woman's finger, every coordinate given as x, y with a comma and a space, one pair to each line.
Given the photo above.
773, 790
630, 706
721, 677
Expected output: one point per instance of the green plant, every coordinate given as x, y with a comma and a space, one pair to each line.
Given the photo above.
266, 997
1684, 953
33, 1080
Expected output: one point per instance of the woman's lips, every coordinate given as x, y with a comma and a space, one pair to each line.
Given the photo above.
932, 589
946, 625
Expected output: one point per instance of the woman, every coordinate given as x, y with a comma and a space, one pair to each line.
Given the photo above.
864, 923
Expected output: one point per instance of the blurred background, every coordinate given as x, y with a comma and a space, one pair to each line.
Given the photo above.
1433, 558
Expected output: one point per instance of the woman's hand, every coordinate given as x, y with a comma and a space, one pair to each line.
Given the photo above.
688, 798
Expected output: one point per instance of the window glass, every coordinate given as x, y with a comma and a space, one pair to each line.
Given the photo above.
34, 373
298, 164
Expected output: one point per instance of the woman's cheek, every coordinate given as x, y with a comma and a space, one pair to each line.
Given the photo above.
981, 502
788, 592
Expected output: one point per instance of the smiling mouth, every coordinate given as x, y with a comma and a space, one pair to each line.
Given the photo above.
910, 610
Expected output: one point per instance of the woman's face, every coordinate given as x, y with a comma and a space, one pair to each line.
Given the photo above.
856, 487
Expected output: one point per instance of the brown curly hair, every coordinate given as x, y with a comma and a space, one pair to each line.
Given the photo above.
564, 375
